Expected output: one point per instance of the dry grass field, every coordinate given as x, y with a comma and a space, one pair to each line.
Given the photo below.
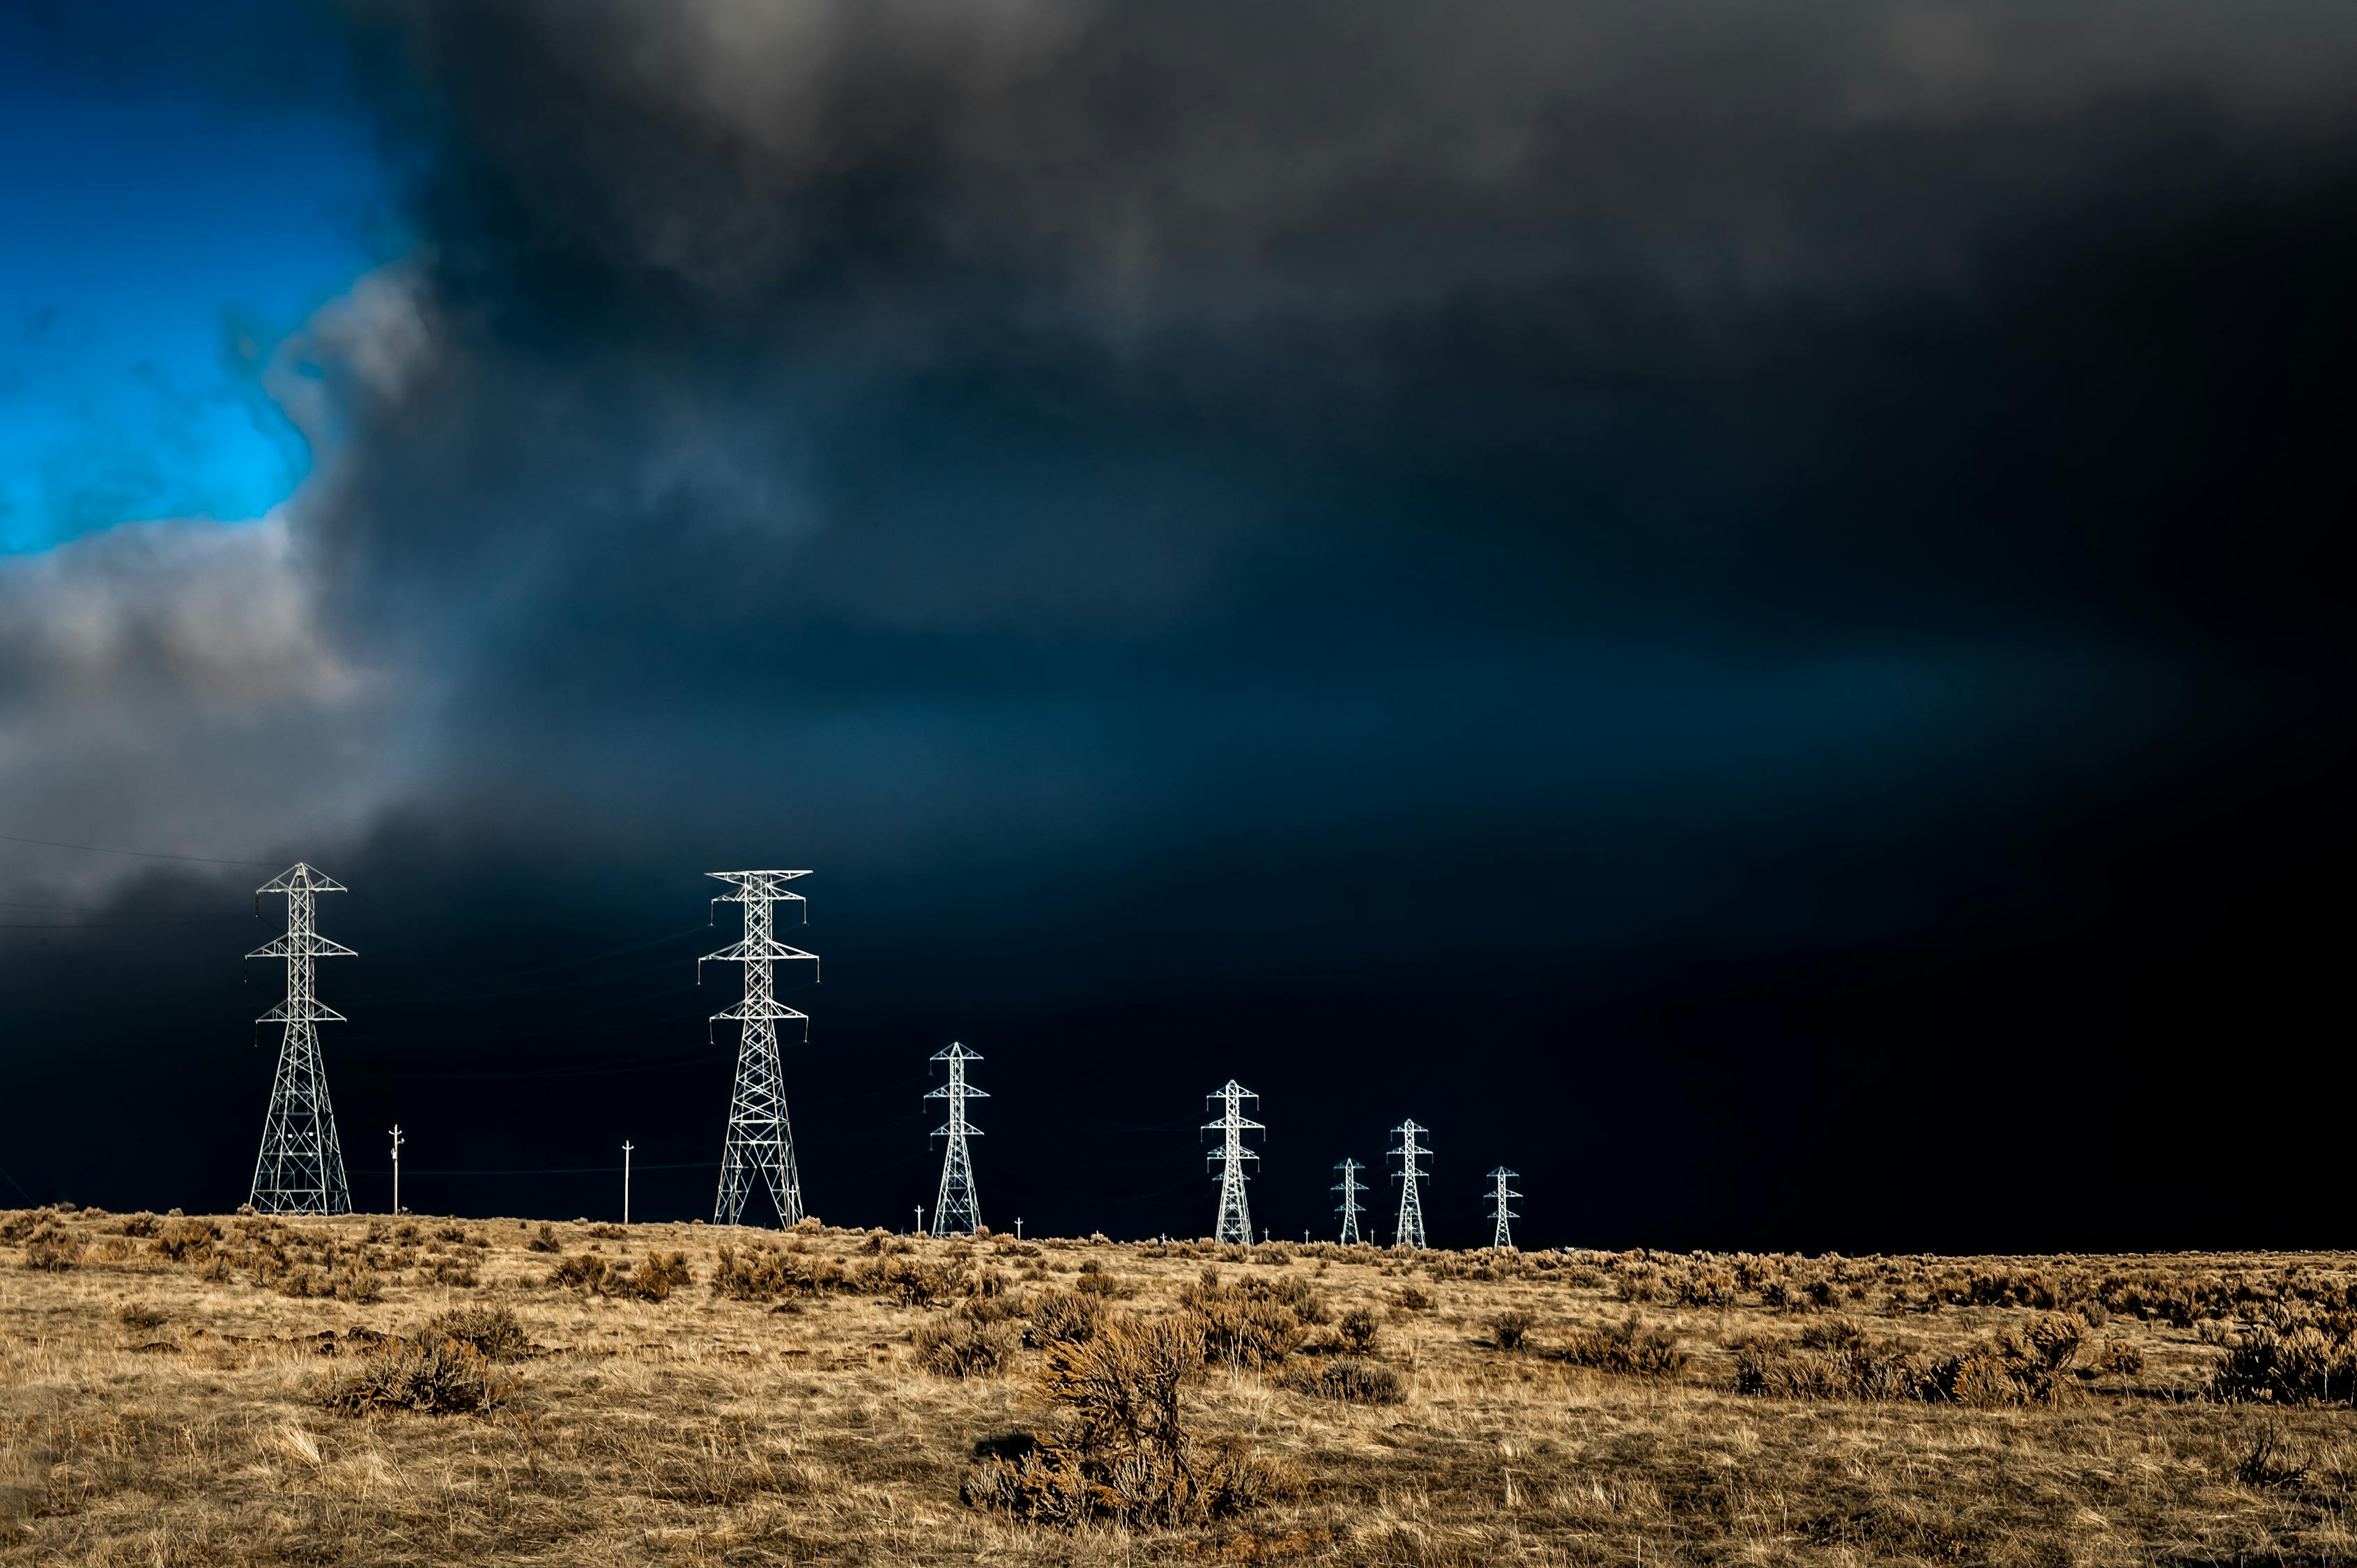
367, 1390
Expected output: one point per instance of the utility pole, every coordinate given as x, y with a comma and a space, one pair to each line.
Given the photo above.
1018, 1227
1409, 1232
921, 1222
957, 1208
1504, 1240
1349, 1208
1234, 1223
300, 1169
627, 1146
761, 1142
397, 1140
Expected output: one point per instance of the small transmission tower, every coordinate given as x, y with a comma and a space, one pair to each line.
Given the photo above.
1235, 1213
1349, 1208
956, 1210
1499, 1194
301, 1167
761, 1141
1409, 1232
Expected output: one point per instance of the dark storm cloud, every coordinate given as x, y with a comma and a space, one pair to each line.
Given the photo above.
1143, 420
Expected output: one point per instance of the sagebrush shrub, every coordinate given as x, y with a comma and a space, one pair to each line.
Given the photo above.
962, 1348
1061, 1317
1354, 1382
431, 1374
493, 1332
1508, 1330
1631, 1348
53, 1251
185, 1240
1358, 1332
1124, 1451
2312, 1364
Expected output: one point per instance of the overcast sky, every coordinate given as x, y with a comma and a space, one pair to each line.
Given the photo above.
1741, 608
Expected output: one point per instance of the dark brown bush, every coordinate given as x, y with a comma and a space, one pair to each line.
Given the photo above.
185, 1240
1840, 1361
544, 1241
1124, 1450
1358, 1332
1058, 1317
2312, 1364
1631, 1348
492, 1332
961, 1347
587, 1272
52, 1250
1508, 1330
2119, 1357
658, 1275
432, 1374
1244, 1331
1354, 1382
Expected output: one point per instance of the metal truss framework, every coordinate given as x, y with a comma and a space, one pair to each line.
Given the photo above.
300, 1169
761, 1141
1499, 1194
956, 1210
1349, 1208
1235, 1214
1409, 1231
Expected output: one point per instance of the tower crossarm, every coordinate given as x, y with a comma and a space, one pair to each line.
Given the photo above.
303, 944
318, 1012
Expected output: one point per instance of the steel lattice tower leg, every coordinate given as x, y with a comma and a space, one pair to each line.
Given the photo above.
1234, 1223
1349, 1208
300, 1169
761, 1141
956, 1210
1409, 1232
1504, 1238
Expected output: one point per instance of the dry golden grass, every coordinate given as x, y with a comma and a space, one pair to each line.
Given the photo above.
164, 1400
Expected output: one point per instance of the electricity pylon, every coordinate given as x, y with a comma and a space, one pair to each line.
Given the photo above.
1235, 1214
301, 1167
1409, 1232
761, 1142
1499, 1194
1349, 1208
956, 1208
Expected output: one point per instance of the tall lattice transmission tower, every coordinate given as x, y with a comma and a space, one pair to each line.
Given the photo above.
1409, 1232
301, 1167
1499, 1194
956, 1208
1235, 1213
1349, 1208
761, 1142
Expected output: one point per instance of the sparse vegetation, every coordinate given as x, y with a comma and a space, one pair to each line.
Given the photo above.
231, 1388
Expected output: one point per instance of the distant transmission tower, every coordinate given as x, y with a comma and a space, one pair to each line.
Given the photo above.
1235, 1213
1499, 1194
1409, 1232
1349, 1208
761, 1142
956, 1208
301, 1167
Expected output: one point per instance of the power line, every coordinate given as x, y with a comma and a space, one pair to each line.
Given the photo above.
137, 853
